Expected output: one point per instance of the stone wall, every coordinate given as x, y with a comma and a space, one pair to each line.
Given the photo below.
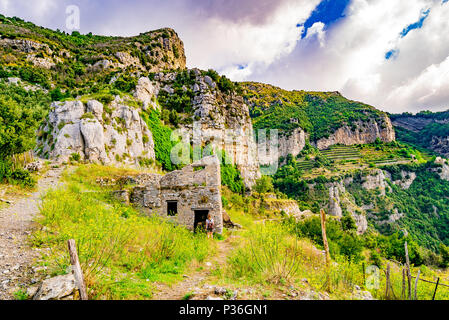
195, 187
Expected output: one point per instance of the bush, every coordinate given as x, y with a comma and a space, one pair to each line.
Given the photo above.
264, 185
230, 175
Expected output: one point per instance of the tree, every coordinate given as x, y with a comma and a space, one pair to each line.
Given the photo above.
17, 128
348, 223
444, 251
264, 185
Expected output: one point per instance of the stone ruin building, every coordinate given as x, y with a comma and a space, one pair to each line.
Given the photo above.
186, 196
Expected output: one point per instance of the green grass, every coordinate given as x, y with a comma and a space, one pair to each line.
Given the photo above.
122, 253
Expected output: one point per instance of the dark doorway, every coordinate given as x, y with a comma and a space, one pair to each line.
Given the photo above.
200, 220
172, 208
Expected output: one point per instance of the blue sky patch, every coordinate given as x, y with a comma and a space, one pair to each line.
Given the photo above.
391, 54
416, 25
327, 12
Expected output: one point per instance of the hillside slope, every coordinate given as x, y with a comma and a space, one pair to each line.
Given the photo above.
425, 130
321, 118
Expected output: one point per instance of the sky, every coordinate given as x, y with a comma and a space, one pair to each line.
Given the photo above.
392, 54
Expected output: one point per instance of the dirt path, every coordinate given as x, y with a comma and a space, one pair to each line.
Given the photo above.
16, 224
197, 282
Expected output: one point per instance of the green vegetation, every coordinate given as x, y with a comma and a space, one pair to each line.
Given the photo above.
162, 138
318, 113
21, 113
71, 56
181, 99
230, 175
122, 252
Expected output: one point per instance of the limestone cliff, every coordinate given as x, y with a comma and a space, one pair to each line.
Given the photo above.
364, 133
217, 119
292, 143
91, 132
321, 118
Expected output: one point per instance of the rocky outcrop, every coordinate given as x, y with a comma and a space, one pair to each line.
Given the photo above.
79, 131
440, 145
364, 133
288, 207
339, 198
334, 201
292, 144
407, 179
146, 92
25, 45
444, 172
375, 180
223, 121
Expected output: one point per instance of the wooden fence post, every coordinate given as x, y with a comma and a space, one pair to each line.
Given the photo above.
326, 247
387, 285
403, 283
409, 274
436, 288
416, 284
76, 269
364, 274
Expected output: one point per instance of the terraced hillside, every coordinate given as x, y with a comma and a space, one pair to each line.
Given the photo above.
338, 153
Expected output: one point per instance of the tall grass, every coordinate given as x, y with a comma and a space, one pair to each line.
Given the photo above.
122, 253
269, 253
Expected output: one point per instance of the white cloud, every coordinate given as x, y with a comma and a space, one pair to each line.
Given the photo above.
429, 88
263, 43
224, 45
317, 29
353, 58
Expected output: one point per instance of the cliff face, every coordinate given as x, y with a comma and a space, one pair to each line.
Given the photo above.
89, 132
219, 120
292, 144
364, 133
426, 130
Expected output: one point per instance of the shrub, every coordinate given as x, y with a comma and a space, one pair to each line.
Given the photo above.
264, 185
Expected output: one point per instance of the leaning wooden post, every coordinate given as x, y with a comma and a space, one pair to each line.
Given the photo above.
436, 288
76, 269
387, 285
364, 273
416, 284
403, 283
326, 247
409, 274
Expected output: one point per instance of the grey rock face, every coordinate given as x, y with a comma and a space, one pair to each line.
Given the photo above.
375, 181
334, 202
94, 147
116, 136
366, 132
